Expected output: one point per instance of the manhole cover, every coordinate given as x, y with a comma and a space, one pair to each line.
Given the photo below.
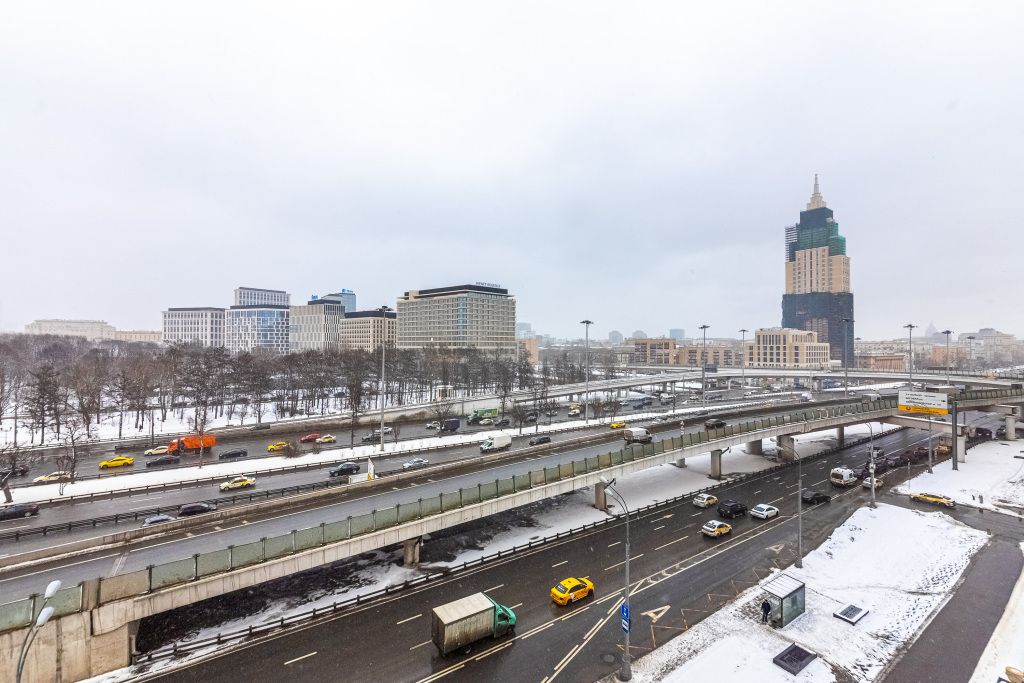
608, 658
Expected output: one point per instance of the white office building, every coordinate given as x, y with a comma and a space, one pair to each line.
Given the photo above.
251, 296
93, 330
316, 326
203, 326
251, 327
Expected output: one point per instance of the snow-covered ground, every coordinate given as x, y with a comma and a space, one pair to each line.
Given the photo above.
992, 478
867, 561
1006, 646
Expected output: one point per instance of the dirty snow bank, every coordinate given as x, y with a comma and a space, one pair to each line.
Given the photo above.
868, 562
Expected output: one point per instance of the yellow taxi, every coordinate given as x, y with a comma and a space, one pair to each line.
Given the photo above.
119, 461
714, 529
326, 438
52, 477
571, 590
936, 498
618, 424
279, 446
242, 482
159, 450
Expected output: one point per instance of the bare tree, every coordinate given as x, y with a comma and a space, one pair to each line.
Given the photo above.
67, 459
396, 430
519, 413
441, 409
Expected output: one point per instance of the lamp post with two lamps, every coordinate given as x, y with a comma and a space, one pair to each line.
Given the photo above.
44, 615
627, 671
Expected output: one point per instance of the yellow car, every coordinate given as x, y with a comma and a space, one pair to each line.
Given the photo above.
54, 476
159, 450
619, 424
279, 446
242, 482
119, 461
326, 438
935, 498
571, 590
714, 529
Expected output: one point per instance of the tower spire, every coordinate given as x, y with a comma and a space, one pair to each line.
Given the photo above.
816, 201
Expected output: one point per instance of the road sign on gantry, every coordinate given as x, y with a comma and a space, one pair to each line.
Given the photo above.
923, 402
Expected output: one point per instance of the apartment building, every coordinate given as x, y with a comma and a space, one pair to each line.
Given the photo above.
787, 348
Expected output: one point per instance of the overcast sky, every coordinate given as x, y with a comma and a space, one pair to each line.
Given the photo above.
634, 164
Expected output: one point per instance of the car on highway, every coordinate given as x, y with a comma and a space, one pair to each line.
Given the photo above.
539, 439
814, 497
242, 482
618, 424
157, 519
551, 413
748, 394
326, 438
259, 427
764, 511
714, 423
574, 412
16, 471
163, 461
896, 460
343, 469
159, 450
414, 463
502, 423
531, 417
730, 509
52, 477
372, 437
18, 510
983, 433
279, 446
934, 498
486, 422
433, 425
190, 509
661, 418
571, 590
867, 483
309, 438
714, 529
119, 461
881, 466
233, 454
704, 500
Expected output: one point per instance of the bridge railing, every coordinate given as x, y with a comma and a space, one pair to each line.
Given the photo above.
201, 565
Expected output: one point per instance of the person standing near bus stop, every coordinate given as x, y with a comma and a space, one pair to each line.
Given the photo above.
766, 608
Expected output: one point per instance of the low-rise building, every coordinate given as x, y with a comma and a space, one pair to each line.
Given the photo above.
93, 330
530, 346
787, 348
150, 336
886, 362
656, 351
202, 325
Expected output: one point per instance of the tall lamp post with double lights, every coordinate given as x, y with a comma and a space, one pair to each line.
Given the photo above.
947, 333
383, 310
627, 669
970, 351
704, 367
586, 366
910, 351
44, 615
743, 358
846, 358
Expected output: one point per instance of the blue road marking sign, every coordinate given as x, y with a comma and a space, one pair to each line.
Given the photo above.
625, 618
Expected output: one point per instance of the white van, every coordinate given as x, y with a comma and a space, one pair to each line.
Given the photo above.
496, 442
870, 396
636, 435
843, 477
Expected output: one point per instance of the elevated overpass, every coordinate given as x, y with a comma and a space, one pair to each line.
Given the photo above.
994, 380
96, 620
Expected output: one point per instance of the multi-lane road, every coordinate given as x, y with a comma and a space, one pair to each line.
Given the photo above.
678, 576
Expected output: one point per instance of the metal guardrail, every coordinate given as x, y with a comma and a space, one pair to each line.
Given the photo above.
310, 615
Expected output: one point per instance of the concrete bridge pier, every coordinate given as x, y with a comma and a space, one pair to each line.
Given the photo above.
841, 436
681, 462
787, 448
961, 448
716, 463
411, 548
1010, 423
754, 448
600, 497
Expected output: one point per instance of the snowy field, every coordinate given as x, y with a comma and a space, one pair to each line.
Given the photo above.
869, 562
1006, 646
992, 478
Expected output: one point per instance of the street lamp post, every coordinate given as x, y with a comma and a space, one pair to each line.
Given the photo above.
44, 615
743, 359
846, 358
586, 365
383, 351
799, 504
910, 348
947, 333
627, 669
970, 351
871, 460
704, 367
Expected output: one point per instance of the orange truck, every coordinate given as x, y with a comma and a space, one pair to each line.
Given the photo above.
192, 443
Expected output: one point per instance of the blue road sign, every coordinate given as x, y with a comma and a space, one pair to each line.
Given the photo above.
625, 618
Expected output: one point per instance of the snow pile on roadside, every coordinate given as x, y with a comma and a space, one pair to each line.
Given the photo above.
867, 561
992, 478
1006, 646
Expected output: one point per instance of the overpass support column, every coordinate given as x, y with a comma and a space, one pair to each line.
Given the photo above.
754, 448
412, 551
841, 436
1011, 427
961, 448
787, 448
600, 497
681, 462
716, 463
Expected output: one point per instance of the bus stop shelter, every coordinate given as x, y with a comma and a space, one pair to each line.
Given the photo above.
786, 596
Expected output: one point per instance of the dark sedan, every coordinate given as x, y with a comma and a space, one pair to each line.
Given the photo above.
814, 497
344, 469
16, 471
195, 509
163, 461
539, 439
233, 453
19, 510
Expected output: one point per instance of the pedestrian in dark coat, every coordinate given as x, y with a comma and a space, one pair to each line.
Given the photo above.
766, 608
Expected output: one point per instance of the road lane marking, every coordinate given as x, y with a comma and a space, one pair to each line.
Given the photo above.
635, 557
819, 482
778, 499
425, 642
409, 619
514, 606
658, 527
292, 661
756, 492
671, 542
560, 564
696, 514
487, 590
614, 544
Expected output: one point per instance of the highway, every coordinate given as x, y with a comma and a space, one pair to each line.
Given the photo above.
679, 577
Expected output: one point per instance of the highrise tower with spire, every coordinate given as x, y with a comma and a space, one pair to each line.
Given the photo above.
818, 294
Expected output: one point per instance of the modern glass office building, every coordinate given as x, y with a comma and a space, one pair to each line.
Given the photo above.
256, 327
